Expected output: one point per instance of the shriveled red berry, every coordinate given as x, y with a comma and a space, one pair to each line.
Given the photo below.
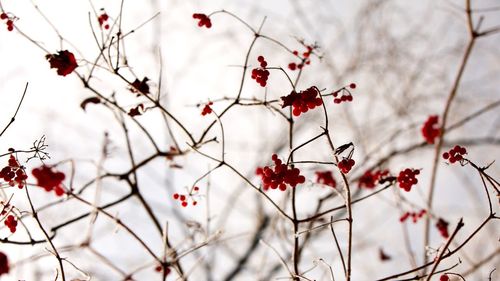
203, 20
64, 61
442, 227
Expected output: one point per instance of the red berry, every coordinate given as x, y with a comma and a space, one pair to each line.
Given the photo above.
431, 130
444, 277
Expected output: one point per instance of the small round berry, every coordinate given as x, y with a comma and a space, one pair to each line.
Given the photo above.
352, 86
184, 204
176, 196
3, 16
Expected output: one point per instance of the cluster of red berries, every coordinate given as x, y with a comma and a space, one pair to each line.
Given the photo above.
103, 20
13, 173
370, 179
280, 176
159, 268
345, 165
407, 179
303, 101
346, 94
261, 74
326, 178
304, 60
64, 61
9, 22
11, 223
207, 109
430, 129
204, 20
444, 277
455, 154
414, 216
4, 264
183, 198
49, 179
442, 227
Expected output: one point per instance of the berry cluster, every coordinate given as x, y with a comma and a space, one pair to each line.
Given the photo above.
183, 198
407, 179
9, 22
326, 178
346, 164
13, 173
303, 101
103, 20
370, 179
64, 61
430, 129
159, 268
4, 264
414, 216
346, 94
305, 59
455, 154
49, 179
207, 109
11, 223
442, 226
280, 176
204, 20
261, 74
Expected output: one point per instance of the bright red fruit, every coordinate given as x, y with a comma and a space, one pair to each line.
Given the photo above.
407, 178
430, 129
280, 176
455, 154
302, 101
49, 179
326, 178
204, 20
